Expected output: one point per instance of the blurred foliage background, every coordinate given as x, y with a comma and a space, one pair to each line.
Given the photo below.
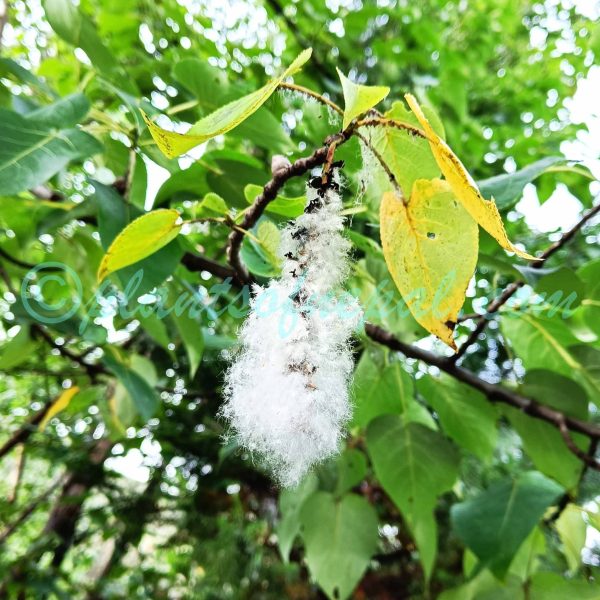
130, 491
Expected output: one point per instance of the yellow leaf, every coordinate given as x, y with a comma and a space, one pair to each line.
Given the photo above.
223, 119
358, 99
430, 247
59, 404
483, 211
139, 239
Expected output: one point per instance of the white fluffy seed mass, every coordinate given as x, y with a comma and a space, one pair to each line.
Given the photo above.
286, 393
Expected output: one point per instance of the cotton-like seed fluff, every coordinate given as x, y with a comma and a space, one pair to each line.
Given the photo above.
286, 391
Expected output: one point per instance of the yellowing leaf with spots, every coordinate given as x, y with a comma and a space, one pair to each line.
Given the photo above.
430, 246
358, 99
58, 405
223, 119
483, 211
139, 239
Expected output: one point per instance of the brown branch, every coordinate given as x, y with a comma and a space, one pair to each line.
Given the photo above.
384, 122
311, 94
269, 193
93, 370
195, 262
28, 511
494, 393
24, 432
15, 261
512, 288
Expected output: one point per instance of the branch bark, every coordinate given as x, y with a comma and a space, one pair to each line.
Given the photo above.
511, 289
495, 393
269, 193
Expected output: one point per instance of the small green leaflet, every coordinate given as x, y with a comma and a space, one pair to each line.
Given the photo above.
358, 99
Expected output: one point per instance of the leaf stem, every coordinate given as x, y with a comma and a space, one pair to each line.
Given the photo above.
312, 94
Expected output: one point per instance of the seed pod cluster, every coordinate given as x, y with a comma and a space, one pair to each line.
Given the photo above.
286, 391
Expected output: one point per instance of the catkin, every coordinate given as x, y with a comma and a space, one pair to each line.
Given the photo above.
286, 391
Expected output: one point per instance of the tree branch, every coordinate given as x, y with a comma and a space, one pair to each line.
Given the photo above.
23, 433
495, 393
29, 510
195, 262
269, 193
511, 289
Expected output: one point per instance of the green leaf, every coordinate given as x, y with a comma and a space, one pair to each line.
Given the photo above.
78, 30
507, 188
340, 536
189, 184
495, 523
562, 290
139, 183
32, 152
543, 442
260, 252
223, 119
358, 99
290, 504
465, 414
553, 586
383, 390
66, 112
9, 66
140, 239
572, 531
407, 155
484, 586
414, 465
64, 18
155, 327
143, 395
541, 343
211, 205
191, 335
17, 349
590, 275
286, 207
351, 468
544, 343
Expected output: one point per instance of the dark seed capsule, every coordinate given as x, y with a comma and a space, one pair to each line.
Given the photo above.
299, 233
313, 205
315, 183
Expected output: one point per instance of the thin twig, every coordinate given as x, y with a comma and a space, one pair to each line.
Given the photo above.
312, 94
384, 122
269, 193
512, 288
29, 510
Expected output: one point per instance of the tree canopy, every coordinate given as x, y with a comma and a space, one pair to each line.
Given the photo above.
164, 166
